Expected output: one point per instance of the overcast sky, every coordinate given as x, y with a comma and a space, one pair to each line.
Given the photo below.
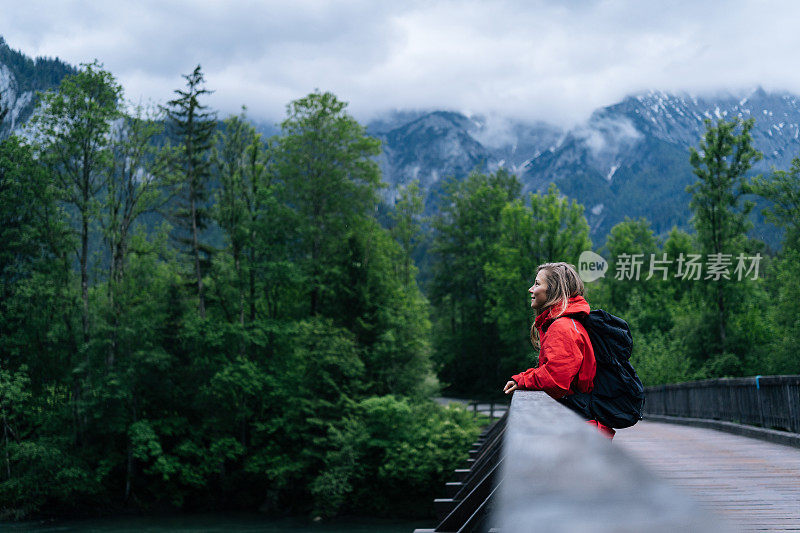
549, 60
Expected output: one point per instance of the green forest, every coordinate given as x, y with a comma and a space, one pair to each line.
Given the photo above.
194, 316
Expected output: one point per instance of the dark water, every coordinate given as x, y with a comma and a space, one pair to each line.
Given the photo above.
215, 523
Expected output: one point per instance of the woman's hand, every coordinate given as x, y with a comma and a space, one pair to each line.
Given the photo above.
510, 387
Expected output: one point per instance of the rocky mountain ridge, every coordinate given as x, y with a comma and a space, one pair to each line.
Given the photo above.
20, 79
627, 159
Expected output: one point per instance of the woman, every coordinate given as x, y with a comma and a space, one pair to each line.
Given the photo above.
566, 357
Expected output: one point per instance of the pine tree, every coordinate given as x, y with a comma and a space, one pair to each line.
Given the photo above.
193, 125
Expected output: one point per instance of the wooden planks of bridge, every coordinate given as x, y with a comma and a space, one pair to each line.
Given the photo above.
754, 483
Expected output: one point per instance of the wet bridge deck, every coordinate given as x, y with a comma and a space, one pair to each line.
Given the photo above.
755, 484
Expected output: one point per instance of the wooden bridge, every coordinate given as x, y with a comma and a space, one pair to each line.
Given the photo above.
753, 483
541, 468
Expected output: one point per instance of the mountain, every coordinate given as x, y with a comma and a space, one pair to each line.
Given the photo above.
435, 145
20, 78
632, 158
628, 159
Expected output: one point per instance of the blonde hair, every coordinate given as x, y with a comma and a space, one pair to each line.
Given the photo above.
563, 283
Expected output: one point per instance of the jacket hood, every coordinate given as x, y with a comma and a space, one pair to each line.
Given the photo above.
576, 305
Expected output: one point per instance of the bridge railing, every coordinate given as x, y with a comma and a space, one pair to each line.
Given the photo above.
771, 402
542, 468
491, 408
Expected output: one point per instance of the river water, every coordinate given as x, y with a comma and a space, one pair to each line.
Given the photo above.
215, 523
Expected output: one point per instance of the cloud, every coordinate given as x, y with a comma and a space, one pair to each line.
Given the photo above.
606, 136
495, 131
555, 61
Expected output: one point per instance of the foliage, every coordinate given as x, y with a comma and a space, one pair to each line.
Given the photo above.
31, 225
292, 369
631, 247
325, 160
720, 214
254, 398
780, 320
783, 190
416, 444
406, 225
779, 316
73, 131
468, 349
193, 125
551, 229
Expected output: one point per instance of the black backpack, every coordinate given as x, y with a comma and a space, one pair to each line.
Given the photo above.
617, 399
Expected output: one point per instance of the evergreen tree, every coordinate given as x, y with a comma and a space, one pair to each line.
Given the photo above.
630, 245
325, 159
193, 126
178, 412
236, 157
782, 189
42, 73
34, 263
720, 211
406, 227
468, 347
551, 229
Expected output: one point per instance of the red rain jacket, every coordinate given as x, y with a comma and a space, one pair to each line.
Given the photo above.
566, 356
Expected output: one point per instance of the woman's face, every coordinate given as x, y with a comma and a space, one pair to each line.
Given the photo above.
539, 291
